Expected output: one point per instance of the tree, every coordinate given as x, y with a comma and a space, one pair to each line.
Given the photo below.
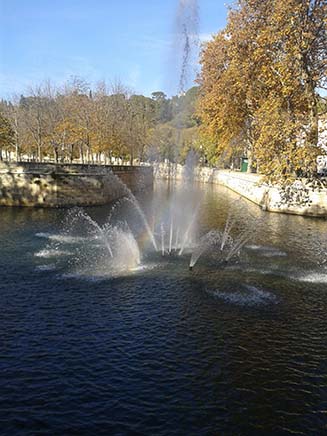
260, 82
142, 112
162, 107
183, 109
163, 143
95, 125
34, 111
7, 136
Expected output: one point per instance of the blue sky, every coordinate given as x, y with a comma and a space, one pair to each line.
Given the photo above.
107, 40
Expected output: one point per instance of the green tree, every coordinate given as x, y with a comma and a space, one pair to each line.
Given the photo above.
7, 136
163, 110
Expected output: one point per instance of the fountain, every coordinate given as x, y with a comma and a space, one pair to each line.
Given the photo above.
118, 247
222, 244
112, 247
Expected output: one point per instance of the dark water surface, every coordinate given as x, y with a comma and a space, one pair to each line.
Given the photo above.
233, 350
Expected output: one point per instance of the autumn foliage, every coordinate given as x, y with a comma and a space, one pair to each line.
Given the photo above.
260, 81
101, 124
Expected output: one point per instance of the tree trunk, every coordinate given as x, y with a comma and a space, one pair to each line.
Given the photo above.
314, 131
249, 147
310, 90
81, 153
17, 151
71, 156
39, 157
56, 154
250, 160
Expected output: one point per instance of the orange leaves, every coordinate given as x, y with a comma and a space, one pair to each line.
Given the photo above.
259, 86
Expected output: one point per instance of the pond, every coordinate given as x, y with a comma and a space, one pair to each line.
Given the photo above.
151, 347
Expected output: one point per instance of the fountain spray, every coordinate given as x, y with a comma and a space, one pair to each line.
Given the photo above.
171, 232
187, 40
162, 240
99, 230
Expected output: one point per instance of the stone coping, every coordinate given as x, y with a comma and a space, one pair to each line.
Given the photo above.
257, 179
65, 169
252, 187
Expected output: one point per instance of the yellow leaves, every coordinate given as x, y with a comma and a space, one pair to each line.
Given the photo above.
255, 85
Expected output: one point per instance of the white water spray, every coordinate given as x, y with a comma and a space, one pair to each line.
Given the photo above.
186, 45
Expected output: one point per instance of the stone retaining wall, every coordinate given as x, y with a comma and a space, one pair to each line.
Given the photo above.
55, 185
251, 187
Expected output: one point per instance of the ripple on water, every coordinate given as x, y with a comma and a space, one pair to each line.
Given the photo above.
83, 277
48, 267
110, 273
42, 235
139, 353
267, 251
248, 296
48, 253
66, 239
311, 277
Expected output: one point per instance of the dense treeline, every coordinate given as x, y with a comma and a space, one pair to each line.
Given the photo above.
260, 95
261, 79
77, 123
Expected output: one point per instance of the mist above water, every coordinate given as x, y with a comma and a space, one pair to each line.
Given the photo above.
186, 42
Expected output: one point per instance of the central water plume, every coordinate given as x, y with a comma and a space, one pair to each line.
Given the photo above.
186, 44
180, 225
189, 229
177, 223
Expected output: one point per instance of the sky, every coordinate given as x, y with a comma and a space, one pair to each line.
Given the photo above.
129, 41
